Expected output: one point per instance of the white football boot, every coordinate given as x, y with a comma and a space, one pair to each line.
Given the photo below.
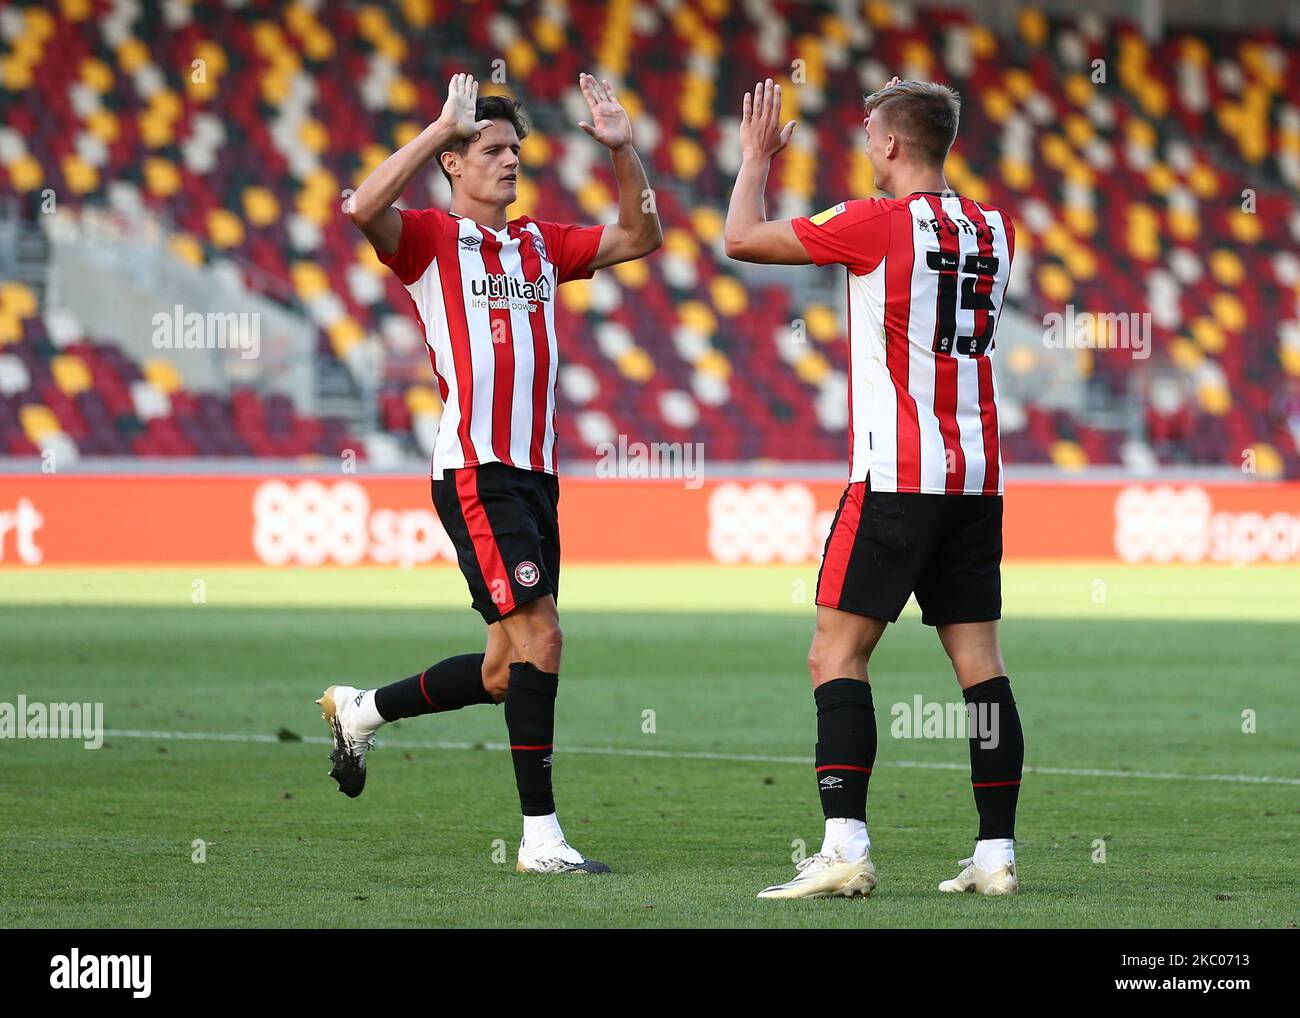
556, 856
827, 876
352, 739
974, 880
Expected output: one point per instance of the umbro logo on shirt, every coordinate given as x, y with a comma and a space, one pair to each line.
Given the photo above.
471, 243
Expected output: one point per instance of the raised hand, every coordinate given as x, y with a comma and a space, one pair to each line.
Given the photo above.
609, 123
458, 111
761, 137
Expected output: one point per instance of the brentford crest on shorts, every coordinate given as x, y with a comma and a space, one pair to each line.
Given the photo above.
486, 301
926, 278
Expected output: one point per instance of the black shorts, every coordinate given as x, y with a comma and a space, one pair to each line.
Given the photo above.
505, 525
885, 546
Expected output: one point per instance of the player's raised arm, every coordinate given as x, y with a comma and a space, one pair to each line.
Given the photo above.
371, 206
637, 231
749, 237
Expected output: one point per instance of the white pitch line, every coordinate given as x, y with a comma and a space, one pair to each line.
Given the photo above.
1070, 772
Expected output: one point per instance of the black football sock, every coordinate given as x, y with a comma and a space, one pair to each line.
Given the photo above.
997, 755
530, 721
846, 747
449, 685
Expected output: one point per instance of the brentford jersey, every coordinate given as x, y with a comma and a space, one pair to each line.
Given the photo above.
486, 301
926, 278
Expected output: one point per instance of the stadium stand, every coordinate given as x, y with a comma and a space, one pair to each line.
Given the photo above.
241, 128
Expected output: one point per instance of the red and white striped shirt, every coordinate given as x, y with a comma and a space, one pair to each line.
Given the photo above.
486, 301
926, 278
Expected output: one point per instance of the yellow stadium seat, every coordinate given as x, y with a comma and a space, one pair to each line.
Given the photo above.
261, 207
365, 256
687, 158
25, 174
1160, 178
1209, 334
1068, 455
213, 56
535, 150
103, 124
11, 329
71, 374
97, 74
1080, 262
634, 274
132, 55
1020, 83
576, 295
163, 375
16, 73
318, 43
698, 316
421, 399
714, 364
1228, 311
997, 104
402, 95
161, 177
1214, 399
155, 130
344, 334
812, 367
1186, 354
81, 177
1017, 174
679, 243
708, 223
635, 364
1245, 227
187, 249
418, 13
823, 324
728, 295
594, 197
75, 10
1055, 283
1032, 24
38, 422
225, 229
1184, 224
309, 279
18, 299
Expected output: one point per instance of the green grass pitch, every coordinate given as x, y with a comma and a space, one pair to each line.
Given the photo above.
1132, 683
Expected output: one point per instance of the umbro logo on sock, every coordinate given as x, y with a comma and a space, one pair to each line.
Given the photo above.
546, 762
831, 781
359, 697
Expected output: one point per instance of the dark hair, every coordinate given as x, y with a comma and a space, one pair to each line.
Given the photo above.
489, 107
925, 113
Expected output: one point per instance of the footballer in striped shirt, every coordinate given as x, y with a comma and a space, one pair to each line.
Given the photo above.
484, 288
926, 273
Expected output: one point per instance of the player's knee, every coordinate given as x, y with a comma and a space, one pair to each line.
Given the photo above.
823, 666
545, 643
977, 665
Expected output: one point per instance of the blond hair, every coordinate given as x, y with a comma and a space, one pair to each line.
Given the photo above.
924, 114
